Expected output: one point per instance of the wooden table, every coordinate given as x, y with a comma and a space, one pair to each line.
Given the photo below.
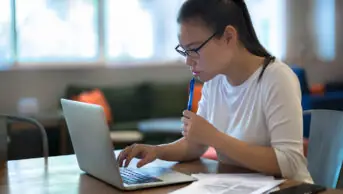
62, 175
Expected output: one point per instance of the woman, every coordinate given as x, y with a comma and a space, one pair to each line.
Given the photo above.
250, 110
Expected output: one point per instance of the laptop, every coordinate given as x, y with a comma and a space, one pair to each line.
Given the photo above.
93, 147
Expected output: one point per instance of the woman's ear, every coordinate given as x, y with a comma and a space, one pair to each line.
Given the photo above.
230, 34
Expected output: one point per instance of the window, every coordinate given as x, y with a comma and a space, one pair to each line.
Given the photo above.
56, 30
324, 11
269, 25
141, 29
43, 32
5, 32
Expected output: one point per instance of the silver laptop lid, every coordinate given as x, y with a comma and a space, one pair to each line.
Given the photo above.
91, 141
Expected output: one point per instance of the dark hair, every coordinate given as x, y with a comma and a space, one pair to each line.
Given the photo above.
217, 14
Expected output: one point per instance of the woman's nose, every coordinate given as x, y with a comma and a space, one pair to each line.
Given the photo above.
190, 61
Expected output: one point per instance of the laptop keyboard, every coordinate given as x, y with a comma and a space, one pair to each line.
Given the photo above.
132, 177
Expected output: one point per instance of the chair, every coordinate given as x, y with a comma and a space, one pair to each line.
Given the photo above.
325, 148
340, 179
5, 122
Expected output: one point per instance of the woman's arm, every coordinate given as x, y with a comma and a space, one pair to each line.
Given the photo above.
258, 158
181, 150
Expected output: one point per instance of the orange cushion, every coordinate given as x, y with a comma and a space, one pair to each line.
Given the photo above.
210, 154
318, 89
96, 97
196, 97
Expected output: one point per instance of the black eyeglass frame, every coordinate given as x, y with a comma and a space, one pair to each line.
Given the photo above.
185, 52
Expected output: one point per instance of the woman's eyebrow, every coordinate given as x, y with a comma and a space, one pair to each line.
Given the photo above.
190, 44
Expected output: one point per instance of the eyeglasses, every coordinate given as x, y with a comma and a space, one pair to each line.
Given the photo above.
193, 52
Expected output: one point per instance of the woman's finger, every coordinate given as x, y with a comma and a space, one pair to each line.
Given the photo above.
185, 120
184, 125
122, 155
188, 114
134, 152
147, 159
184, 133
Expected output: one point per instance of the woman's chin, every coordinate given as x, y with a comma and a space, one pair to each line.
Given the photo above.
203, 77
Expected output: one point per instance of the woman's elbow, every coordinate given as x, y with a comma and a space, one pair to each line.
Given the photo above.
290, 163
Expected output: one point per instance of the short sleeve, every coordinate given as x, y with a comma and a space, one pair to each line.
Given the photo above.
283, 111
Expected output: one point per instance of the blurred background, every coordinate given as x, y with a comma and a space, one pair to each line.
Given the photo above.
120, 53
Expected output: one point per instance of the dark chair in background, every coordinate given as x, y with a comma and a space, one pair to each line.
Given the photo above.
5, 126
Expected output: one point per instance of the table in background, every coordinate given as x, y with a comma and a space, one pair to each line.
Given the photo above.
167, 129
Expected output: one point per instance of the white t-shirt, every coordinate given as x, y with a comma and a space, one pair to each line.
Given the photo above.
264, 113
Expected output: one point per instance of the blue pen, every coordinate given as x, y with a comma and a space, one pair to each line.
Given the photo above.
191, 90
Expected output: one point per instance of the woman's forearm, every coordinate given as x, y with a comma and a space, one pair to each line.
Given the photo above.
180, 150
258, 158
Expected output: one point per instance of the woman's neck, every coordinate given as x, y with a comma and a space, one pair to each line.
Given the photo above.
243, 67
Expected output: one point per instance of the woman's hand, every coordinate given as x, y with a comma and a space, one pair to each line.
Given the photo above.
147, 154
197, 129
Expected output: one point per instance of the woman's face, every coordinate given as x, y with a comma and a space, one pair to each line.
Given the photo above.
207, 55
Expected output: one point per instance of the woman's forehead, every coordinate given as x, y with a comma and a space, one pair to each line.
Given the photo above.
192, 31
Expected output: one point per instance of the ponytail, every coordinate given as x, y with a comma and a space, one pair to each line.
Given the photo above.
256, 49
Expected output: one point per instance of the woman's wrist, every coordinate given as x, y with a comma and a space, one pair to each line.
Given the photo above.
215, 139
159, 151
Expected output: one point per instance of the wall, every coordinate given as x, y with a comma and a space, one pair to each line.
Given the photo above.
49, 85
301, 39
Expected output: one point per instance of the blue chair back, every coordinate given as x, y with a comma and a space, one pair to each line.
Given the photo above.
301, 74
325, 148
306, 98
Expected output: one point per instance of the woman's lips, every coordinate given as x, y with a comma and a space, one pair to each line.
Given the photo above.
196, 72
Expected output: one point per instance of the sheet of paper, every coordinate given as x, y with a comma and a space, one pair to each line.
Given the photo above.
272, 190
230, 186
258, 176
